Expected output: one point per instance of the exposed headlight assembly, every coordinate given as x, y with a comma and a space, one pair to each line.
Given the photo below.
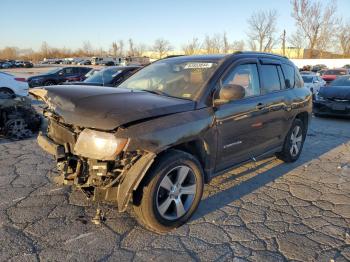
320, 98
99, 145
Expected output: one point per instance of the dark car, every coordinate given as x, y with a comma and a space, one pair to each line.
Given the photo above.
332, 74
107, 63
172, 126
334, 99
111, 76
59, 75
27, 64
319, 67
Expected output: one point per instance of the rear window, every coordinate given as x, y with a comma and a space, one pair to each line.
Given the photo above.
270, 79
335, 72
289, 75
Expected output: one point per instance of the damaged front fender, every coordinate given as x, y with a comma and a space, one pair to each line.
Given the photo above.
132, 179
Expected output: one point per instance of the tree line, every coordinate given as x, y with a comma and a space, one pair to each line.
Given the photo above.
318, 28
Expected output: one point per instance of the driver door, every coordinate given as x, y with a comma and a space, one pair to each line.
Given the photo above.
239, 122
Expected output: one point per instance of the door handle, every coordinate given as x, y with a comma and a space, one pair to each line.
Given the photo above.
260, 106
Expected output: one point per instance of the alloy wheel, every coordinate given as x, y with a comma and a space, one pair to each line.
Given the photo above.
296, 141
176, 192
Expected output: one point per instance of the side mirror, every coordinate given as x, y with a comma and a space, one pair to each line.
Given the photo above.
229, 93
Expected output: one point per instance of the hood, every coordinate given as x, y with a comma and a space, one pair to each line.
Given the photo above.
107, 108
335, 92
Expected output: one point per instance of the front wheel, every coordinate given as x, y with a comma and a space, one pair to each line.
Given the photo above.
171, 192
294, 142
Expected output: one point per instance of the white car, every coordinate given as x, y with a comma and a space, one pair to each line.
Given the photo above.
10, 84
313, 82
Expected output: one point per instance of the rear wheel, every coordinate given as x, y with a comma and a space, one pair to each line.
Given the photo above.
294, 142
171, 193
6, 91
49, 83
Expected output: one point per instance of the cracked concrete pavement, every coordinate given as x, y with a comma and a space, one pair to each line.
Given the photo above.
264, 211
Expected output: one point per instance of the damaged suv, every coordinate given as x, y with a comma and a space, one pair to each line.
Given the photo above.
168, 129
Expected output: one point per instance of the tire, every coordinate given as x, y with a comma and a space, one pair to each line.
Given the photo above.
49, 83
288, 154
4, 91
161, 206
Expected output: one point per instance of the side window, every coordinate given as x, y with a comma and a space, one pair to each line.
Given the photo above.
246, 76
298, 80
68, 71
289, 75
281, 76
270, 79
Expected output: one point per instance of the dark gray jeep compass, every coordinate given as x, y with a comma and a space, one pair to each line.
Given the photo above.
168, 129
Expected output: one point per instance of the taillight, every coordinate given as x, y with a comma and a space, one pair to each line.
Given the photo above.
20, 79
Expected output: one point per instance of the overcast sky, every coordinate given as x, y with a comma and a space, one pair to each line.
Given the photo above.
68, 23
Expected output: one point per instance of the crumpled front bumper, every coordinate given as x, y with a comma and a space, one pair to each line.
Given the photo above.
48, 145
331, 108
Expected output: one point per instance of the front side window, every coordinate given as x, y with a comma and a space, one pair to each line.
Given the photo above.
180, 78
245, 76
270, 79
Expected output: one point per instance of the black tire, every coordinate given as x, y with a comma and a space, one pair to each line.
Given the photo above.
286, 155
49, 83
146, 198
6, 92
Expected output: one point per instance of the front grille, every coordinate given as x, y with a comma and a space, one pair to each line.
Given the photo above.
61, 134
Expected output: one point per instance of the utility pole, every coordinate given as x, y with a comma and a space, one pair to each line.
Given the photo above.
284, 42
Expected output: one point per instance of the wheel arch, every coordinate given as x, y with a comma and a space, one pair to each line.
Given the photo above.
3, 88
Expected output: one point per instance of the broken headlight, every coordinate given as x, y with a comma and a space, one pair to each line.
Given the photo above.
99, 145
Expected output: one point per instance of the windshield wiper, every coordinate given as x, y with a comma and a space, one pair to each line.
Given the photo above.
157, 92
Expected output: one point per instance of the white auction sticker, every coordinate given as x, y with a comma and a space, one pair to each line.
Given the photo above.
198, 65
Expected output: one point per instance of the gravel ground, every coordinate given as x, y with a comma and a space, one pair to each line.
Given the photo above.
264, 211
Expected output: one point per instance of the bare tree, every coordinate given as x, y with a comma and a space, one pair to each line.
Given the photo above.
262, 29
87, 48
121, 47
115, 49
9, 53
343, 38
131, 51
162, 47
226, 47
192, 47
316, 22
212, 45
45, 49
141, 49
238, 45
297, 41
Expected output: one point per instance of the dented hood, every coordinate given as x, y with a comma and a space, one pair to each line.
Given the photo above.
107, 108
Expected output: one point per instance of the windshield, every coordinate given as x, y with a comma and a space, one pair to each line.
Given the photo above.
104, 76
307, 79
335, 72
342, 81
173, 77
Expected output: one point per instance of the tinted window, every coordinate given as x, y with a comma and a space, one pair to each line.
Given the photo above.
307, 79
288, 75
270, 79
298, 80
246, 76
281, 76
68, 70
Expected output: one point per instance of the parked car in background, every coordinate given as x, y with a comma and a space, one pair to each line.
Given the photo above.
6, 65
334, 99
173, 126
111, 76
318, 67
107, 63
307, 73
28, 64
84, 62
313, 82
332, 74
10, 84
347, 66
321, 72
91, 72
59, 75
19, 63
